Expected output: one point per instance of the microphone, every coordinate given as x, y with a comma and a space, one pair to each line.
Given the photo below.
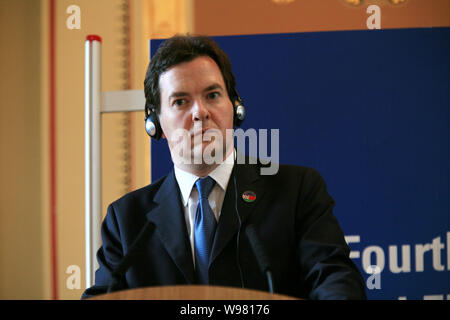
261, 256
128, 259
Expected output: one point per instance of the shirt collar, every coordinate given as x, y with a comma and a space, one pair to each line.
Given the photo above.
221, 175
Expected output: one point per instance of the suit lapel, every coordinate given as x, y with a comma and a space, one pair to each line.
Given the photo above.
247, 179
170, 224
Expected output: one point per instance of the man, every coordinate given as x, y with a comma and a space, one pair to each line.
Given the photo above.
197, 218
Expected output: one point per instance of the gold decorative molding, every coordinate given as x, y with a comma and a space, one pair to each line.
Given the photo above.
379, 2
169, 17
282, 1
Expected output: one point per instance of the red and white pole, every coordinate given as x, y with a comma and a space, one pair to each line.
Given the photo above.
93, 96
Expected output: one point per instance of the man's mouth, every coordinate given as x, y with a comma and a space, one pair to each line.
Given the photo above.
202, 132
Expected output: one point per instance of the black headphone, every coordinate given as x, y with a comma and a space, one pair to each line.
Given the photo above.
153, 127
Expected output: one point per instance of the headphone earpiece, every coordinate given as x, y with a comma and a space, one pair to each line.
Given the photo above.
152, 125
239, 110
239, 114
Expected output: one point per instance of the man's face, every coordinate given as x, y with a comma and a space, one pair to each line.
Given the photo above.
194, 99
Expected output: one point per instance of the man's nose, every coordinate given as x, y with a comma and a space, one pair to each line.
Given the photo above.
200, 111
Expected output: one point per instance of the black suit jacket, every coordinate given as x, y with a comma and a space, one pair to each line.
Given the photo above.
292, 215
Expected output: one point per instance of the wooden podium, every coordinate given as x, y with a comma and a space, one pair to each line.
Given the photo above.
191, 292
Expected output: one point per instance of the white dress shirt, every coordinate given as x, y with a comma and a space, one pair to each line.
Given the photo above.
189, 194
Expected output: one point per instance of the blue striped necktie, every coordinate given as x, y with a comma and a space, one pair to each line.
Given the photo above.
205, 227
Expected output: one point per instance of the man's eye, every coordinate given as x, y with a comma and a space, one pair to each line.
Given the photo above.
213, 95
179, 102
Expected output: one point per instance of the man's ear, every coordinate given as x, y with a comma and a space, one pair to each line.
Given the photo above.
162, 132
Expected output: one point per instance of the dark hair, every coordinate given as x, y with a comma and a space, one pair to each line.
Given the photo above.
184, 48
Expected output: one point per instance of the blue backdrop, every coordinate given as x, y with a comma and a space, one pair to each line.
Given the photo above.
370, 110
